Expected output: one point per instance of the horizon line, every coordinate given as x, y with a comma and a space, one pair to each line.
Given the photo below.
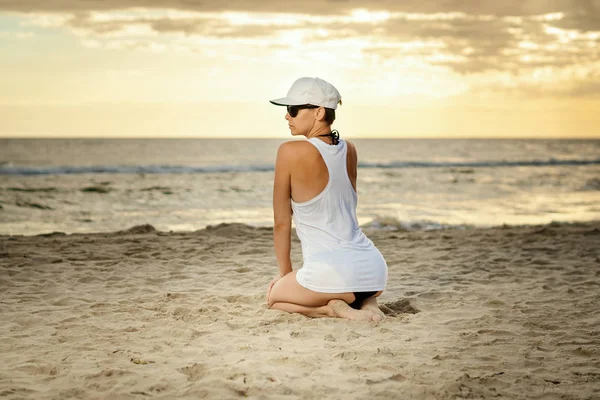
292, 138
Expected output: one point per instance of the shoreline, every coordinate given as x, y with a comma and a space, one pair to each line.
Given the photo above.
367, 228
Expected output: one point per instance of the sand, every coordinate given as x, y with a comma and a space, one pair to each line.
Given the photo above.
507, 312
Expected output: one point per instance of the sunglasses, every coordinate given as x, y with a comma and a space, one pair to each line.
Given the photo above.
293, 110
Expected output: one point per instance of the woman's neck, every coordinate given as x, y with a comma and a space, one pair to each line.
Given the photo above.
325, 130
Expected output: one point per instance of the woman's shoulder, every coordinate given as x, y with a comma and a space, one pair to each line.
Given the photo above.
294, 150
293, 147
351, 149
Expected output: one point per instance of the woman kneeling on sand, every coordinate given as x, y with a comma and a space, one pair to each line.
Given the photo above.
315, 181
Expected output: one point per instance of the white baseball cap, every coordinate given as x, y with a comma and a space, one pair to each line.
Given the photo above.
314, 91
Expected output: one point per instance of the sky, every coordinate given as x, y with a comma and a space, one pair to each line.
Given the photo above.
405, 69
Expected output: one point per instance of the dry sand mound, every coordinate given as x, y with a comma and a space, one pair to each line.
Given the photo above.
505, 312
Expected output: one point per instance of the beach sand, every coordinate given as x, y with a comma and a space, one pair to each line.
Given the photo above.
508, 312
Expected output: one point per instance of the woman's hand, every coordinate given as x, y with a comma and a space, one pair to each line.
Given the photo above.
273, 282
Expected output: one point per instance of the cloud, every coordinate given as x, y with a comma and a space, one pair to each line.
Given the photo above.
316, 7
522, 39
197, 25
17, 35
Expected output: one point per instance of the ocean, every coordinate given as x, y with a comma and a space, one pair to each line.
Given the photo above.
102, 185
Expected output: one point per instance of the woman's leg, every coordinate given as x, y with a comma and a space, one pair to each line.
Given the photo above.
313, 312
288, 290
334, 309
288, 295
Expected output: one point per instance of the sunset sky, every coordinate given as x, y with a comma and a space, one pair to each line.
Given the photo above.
415, 68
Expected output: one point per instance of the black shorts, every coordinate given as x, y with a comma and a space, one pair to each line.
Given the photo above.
359, 298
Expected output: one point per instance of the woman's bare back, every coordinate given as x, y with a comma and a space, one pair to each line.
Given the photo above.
309, 174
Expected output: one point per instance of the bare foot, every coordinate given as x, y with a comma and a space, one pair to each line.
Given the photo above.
370, 304
341, 309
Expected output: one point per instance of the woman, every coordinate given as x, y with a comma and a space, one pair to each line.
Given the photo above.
315, 180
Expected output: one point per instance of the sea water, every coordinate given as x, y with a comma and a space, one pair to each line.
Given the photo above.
99, 185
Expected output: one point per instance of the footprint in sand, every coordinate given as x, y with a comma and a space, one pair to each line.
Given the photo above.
251, 252
353, 336
395, 308
193, 372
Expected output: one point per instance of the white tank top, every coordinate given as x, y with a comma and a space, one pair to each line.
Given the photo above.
338, 257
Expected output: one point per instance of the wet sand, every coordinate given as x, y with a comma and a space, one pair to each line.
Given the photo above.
508, 312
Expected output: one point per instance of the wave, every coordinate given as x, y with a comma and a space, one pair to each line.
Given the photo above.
479, 164
131, 169
181, 169
387, 223
384, 223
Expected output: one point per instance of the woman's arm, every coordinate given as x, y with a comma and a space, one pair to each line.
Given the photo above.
352, 164
282, 209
